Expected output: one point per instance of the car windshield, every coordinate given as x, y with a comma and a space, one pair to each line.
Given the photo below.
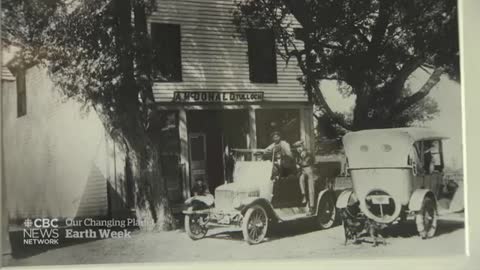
248, 154
379, 151
252, 173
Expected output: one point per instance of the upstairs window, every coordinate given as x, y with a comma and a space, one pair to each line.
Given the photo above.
261, 56
21, 93
167, 58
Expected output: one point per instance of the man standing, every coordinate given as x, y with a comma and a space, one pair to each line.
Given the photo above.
281, 155
279, 146
307, 179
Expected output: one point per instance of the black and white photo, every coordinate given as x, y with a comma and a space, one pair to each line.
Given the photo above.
213, 130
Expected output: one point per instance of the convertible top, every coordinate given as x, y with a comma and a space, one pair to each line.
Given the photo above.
378, 148
414, 133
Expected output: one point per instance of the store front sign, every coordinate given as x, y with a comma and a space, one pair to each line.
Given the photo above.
217, 97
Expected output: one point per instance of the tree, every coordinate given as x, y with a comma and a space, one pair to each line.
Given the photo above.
98, 52
370, 47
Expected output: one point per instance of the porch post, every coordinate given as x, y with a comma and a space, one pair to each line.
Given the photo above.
252, 135
184, 156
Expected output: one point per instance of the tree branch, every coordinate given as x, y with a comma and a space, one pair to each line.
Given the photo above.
317, 95
420, 94
380, 25
360, 34
320, 100
407, 69
299, 10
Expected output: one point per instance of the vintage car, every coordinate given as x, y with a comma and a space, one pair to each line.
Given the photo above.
254, 201
397, 174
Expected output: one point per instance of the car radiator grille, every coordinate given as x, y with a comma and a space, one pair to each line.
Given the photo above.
224, 199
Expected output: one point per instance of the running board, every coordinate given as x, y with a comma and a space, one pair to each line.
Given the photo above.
291, 213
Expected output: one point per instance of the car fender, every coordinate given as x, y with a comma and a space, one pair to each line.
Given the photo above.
323, 193
416, 200
250, 201
342, 199
206, 200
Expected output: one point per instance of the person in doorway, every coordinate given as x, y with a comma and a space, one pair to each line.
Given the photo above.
307, 179
229, 161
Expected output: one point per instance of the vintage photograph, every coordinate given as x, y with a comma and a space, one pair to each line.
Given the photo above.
215, 130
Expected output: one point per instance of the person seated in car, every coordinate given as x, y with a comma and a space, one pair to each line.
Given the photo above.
304, 162
436, 159
432, 161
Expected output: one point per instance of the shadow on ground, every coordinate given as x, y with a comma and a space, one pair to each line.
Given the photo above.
300, 227
409, 229
276, 231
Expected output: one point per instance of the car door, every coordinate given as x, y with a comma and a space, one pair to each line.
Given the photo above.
286, 189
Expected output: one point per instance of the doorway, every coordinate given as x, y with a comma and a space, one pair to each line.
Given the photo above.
210, 133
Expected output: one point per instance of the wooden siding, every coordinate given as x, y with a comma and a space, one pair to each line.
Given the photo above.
214, 55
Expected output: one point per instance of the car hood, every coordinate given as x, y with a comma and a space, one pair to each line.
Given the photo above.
237, 187
249, 176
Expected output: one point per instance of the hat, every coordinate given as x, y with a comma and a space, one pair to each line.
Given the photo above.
298, 144
258, 153
275, 133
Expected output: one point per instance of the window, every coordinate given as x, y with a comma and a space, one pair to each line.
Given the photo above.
167, 59
21, 93
261, 56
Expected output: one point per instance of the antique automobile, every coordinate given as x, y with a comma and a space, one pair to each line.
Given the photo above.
256, 200
397, 174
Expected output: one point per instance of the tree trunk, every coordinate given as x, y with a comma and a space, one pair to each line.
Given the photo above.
362, 113
148, 192
149, 196
372, 109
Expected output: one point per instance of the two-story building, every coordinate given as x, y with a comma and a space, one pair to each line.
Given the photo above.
221, 90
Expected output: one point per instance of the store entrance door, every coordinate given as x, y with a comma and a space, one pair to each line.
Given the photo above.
209, 133
197, 143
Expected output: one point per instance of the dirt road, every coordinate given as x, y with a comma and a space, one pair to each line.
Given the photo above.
290, 240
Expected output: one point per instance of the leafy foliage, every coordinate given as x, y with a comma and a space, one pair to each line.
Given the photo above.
371, 47
98, 52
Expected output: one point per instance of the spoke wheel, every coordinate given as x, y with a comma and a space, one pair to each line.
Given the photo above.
255, 225
196, 225
326, 211
426, 219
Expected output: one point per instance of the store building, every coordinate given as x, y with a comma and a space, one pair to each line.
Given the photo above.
220, 91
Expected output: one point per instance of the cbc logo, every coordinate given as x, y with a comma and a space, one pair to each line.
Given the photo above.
41, 223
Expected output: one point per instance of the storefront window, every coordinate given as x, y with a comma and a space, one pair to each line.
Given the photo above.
285, 121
